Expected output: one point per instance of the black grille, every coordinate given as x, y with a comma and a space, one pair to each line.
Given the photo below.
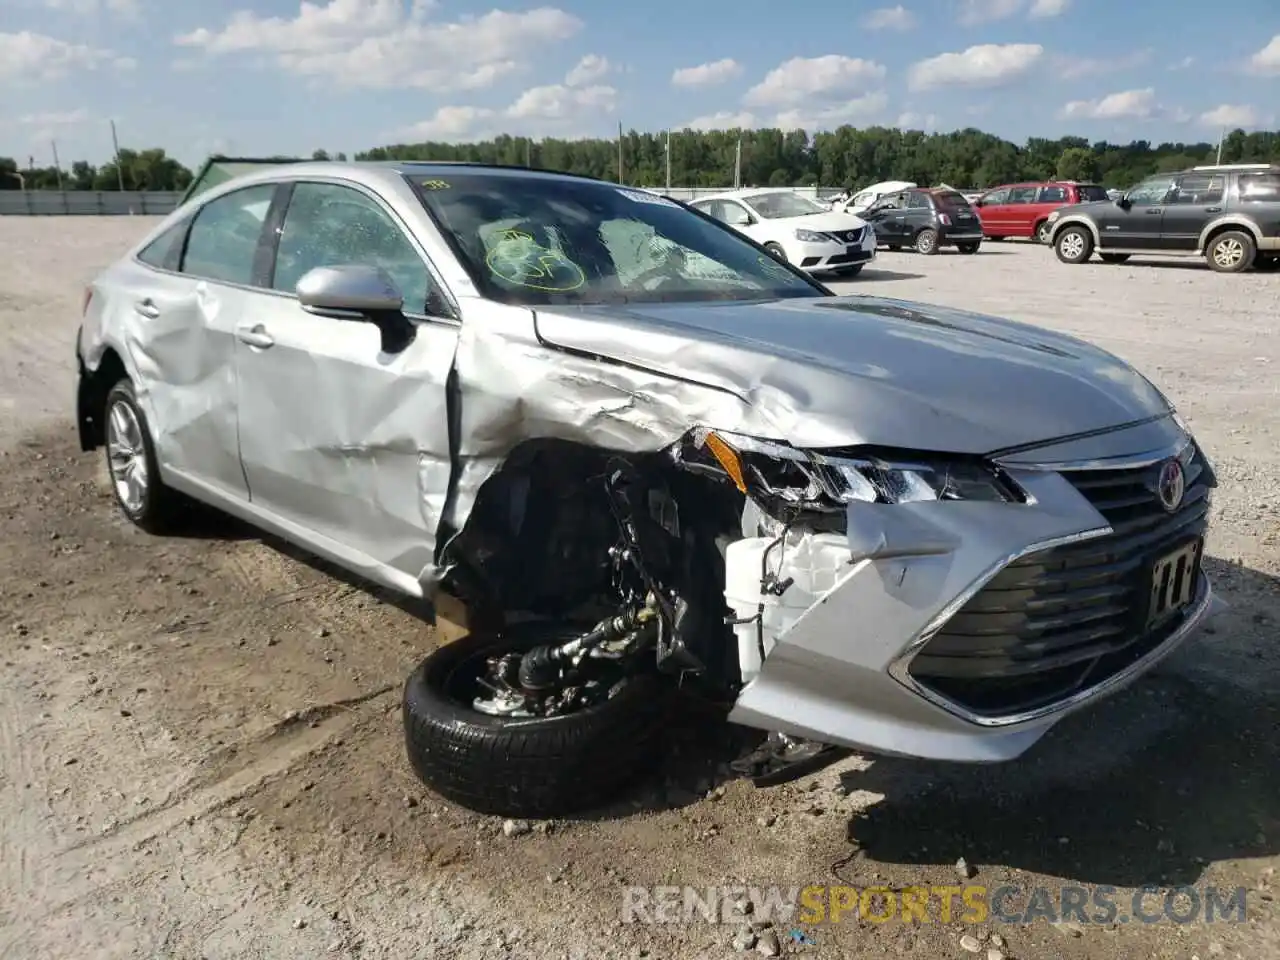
848, 236
1062, 620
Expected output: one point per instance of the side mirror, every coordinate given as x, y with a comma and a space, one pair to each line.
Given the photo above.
979, 202
1122, 202
743, 220
361, 293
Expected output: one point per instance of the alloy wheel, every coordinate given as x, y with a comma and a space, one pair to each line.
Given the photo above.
1228, 252
1072, 246
127, 457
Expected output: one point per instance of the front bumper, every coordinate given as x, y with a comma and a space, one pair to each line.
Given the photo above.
938, 630
826, 257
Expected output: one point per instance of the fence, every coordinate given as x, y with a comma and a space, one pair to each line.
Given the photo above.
90, 203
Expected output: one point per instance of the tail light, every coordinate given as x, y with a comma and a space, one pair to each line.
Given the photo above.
88, 296
944, 219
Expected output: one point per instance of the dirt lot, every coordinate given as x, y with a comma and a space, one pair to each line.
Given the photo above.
200, 746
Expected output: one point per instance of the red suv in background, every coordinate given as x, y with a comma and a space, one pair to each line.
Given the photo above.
1022, 209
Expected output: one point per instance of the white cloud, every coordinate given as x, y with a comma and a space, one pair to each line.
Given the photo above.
1073, 67
28, 56
590, 68
376, 44
1044, 9
1125, 105
554, 107
916, 121
70, 118
1234, 115
800, 81
1267, 60
706, 74
890, 18
724, 120
974, 12
449, 124
868, 107
985, 65
124, 8
1186, 63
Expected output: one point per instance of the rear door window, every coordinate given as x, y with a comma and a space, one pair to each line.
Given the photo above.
996, 197
1260, 186
1056, 193
1196, 188
1022, 195
224, 238
1089, 193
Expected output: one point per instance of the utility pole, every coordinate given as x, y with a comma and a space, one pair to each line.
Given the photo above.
56, 165
1221, 138
620, 180
668, 159
528, 152
737, 165
119, 169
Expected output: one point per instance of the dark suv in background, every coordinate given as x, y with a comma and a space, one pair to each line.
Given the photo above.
1022, 209
1229, 214
927, 218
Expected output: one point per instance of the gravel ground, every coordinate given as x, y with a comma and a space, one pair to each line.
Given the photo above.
200, 749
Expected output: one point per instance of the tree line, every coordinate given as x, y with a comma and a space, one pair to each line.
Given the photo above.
846, 158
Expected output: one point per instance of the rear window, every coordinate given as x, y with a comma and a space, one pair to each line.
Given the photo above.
1091, 192
1260, 186
949, 198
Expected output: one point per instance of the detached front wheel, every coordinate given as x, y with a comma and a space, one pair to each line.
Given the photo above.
479, 750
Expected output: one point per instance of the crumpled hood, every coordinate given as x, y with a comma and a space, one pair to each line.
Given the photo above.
836, 371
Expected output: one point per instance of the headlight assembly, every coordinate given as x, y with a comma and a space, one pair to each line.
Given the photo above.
812, 236
787, 480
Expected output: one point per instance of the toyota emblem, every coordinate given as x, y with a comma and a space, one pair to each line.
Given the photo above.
1171, 485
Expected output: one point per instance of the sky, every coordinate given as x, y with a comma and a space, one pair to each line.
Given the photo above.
263, 77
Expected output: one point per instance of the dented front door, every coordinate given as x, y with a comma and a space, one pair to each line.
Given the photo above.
336, 436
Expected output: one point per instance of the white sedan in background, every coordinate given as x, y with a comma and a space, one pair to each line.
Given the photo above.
796, 229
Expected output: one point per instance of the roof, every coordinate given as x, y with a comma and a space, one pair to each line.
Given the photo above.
218, 170
742, 193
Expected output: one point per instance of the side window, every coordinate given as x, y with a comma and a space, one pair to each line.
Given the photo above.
1197, 188
1054, 194
918, 201
1022, 195
223, 242
995, 198
165, 251
732, 212
1150, 192
1260, 187
328, 225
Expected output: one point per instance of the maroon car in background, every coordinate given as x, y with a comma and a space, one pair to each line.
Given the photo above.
1022, 209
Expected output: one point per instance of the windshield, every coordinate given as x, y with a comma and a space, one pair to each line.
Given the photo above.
1089, 193
776, 206
530, 239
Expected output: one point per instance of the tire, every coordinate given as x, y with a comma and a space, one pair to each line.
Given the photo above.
1073, 244
776, 250
927, 242
968, 247
1041, 232
1232, 251
528, 768
1114, 257
893, 247
130, 455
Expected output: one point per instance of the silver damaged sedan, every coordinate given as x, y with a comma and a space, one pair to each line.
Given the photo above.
652, 461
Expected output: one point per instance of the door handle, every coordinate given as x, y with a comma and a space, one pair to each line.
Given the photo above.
255, 336
1212, 209
1155, 212
146, 308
